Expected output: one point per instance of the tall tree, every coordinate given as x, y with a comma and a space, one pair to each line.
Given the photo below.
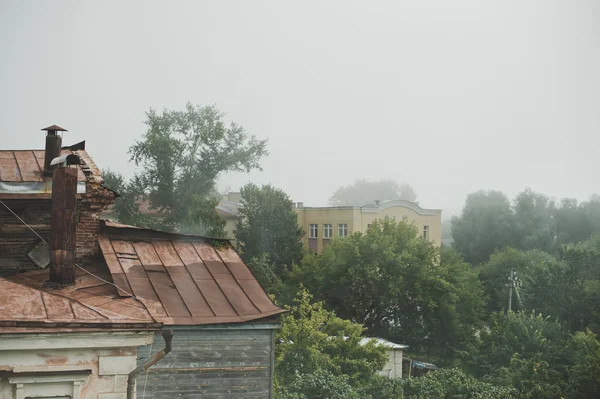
393, 282
526, 351
313, 339
269, 226
485, 225
364, 192
570, 289
534, 221
182, 154
494, 273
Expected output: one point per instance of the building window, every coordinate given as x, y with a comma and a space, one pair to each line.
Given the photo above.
327, 231
342, 230
426, 232
313, 231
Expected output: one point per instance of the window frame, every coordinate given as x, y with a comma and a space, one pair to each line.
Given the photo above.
343, 227
315, 231
426, 233
327, 231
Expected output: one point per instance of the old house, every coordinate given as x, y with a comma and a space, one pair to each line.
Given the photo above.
82, 300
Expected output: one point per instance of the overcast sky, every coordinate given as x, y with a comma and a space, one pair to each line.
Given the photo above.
448, 96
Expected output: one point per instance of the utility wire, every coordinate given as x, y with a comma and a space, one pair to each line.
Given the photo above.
41, 238
22, 221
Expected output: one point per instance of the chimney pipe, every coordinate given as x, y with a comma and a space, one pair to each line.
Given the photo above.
53, 147
62, 223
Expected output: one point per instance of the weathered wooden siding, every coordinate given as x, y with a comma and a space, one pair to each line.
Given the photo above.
227, 363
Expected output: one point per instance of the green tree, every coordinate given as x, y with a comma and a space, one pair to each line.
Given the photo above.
494, 273
264, 271
314, 340
485, 225
393, 282
269, 226
363, 192
570, 289
526, 351
320, 385
126, 207
453, 384
584, 374
182, 154
534, 221
577, 221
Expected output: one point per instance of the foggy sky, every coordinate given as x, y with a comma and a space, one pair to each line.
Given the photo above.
448, 96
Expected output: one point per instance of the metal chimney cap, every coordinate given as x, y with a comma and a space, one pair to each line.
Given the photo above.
54, 128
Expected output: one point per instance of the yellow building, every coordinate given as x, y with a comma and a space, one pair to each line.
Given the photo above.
323, 224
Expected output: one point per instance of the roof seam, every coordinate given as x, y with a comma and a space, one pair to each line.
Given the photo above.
237, 282
18, 167
149, 280
217, 282
44, 304
36, 160
193, 279
171, 278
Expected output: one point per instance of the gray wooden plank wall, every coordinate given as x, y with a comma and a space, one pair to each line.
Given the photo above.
209, 364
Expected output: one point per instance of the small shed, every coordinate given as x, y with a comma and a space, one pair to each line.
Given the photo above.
393, 366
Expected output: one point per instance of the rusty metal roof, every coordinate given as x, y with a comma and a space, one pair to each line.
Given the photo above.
162, 278
26, 302
183, 279
21, 166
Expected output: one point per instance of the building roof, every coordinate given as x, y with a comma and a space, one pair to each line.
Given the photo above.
22, 166
28, 303
21, 172
147, 278
183, 279
383, 342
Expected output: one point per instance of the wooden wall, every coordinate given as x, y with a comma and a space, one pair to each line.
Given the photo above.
211, 363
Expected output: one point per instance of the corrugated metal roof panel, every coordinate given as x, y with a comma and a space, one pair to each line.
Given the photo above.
185, 278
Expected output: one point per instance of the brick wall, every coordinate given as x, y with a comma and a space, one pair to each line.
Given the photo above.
16, 240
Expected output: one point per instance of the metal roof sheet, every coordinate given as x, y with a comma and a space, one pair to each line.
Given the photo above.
183, 279
27, 302
25, 166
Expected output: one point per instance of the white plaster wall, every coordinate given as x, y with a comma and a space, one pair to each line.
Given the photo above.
68, 357
393, 366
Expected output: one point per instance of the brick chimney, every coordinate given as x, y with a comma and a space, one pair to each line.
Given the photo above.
63, 219
53, 147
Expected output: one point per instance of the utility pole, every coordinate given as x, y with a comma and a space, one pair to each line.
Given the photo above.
513, 282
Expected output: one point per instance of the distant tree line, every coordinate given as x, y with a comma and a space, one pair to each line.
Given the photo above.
490, 221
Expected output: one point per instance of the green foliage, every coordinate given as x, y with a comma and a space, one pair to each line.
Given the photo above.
202, 218
269, 226
126, 207
364, 192
314, 340
526, 351
264, 271
584, 375
485, 225
453, 384
182, 154
534, 227
489, 222
320, 385
570, 289
393, 282
494, 273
